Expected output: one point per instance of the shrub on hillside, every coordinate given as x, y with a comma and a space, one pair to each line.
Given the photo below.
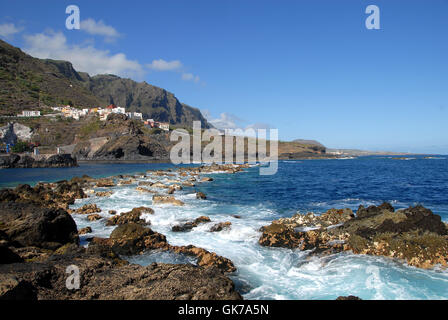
21, 146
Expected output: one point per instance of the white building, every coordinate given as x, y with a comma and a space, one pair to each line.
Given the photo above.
135, 115
57, 108
29, 113
70, 112
119, 110
164, 126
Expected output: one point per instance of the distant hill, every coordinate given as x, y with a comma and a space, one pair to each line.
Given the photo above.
27, 82
357, 153
309, 142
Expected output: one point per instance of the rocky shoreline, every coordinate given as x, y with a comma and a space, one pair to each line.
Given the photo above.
42, 161
39, 240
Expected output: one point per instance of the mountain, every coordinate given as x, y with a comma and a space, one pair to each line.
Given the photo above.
302, 149
28, 82
309, 142
32, 83
153, 102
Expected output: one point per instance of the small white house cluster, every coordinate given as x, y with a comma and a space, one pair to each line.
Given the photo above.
150, 123
135, 115
102, 113
70, 112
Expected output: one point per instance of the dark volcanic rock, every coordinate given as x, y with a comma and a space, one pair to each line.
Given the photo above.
7, 255
103, 275
60, 160
131, 238
131, 216
25, 224
382, 219
85, 230
190, 225
279, 235
183, 227
352, 298
373, 210
221, 226
58, 195
415, 234
201, 195
12, 288
88, 208
9, 161
24, 161
105, 278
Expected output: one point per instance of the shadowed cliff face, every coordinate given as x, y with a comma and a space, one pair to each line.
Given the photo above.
26, 80
153, 102
120, 138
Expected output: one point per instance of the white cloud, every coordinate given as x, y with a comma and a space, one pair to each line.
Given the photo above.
99, 28
8, 30
162, 65
174, 65
53, 45
190, 77
225, 120
228, 121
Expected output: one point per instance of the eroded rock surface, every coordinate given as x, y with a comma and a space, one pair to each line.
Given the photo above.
106, 277
162, 199
132, 216
221, 226
25, 224
56, 195
40, 161
131, 238
414, 235
190, 225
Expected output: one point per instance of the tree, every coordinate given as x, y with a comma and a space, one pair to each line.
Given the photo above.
20, 147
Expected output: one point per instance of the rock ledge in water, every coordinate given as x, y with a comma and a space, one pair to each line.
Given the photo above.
414, 235
41, 161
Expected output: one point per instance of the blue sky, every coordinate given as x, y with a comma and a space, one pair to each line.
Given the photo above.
309, 68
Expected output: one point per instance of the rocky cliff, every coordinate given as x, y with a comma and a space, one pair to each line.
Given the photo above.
120, 138
13, 131
155, 103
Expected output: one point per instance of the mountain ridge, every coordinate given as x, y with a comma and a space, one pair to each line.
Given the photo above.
29, 82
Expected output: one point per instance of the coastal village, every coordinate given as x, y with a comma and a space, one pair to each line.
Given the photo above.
76, 114
69, 112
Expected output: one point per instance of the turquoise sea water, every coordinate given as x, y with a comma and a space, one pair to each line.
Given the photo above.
312, 185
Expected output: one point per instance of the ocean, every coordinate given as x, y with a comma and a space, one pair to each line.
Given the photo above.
308, 185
